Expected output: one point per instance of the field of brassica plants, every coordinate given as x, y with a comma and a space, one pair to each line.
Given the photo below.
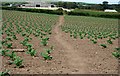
37, 43
22, 31
92, 28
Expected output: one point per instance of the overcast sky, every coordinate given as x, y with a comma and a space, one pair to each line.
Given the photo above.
88, 1
94, 1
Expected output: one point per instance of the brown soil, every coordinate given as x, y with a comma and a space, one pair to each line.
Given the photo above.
82, 56
72, 56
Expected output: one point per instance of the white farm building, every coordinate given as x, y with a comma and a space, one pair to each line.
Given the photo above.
38, 4
42, 5
109, 10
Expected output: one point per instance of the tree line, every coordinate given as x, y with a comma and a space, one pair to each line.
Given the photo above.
82, 5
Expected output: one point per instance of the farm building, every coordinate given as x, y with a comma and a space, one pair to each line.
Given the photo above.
38, 4
110, 10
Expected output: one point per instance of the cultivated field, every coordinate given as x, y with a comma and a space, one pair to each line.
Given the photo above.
36, 43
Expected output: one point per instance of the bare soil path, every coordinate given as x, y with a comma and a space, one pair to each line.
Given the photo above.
74, 58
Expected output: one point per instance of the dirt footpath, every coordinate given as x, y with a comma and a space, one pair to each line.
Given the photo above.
75, 60
81, 56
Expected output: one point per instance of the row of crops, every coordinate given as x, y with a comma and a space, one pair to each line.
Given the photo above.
94, 29
22, 28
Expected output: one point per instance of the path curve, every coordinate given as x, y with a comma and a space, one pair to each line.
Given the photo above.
74, 59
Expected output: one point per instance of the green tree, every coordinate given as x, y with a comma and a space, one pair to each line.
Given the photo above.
105, 4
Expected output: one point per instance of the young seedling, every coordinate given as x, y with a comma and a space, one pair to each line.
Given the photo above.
12, 55
29, 49
46, 38
116, 54
49, 32
26, 39
66, 31
88, 37
14, 37
46, 56
18, 61
3, 42
103, 45
0, 46
109, 41
113, 37
36, 34
8, 38
52, 47
5, 73
23, 43
99, 37
44, 42
71, 34
94, 41
3, 52
75, 35
81, 37
29, 45
23, 34
49, 51
32, 52
9, 45
118, 49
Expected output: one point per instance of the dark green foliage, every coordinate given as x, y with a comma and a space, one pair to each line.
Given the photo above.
8, 45
9, 38
81, 37
49, 51
28, 45
75, 35
103, 45
116, 54
109, 41
18, 61
46, 56
3, 52
23, 34
44, 41
12, 55
3, 42
34, 10
79, 12
14, 37
32, 52
94, 41
118, 49
23, 42
5, 73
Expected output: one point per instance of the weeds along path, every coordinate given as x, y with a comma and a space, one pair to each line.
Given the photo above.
74, 59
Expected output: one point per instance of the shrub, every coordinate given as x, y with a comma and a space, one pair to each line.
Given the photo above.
94, 14
57, 12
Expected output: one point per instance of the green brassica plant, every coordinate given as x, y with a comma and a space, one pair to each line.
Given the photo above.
46, 56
